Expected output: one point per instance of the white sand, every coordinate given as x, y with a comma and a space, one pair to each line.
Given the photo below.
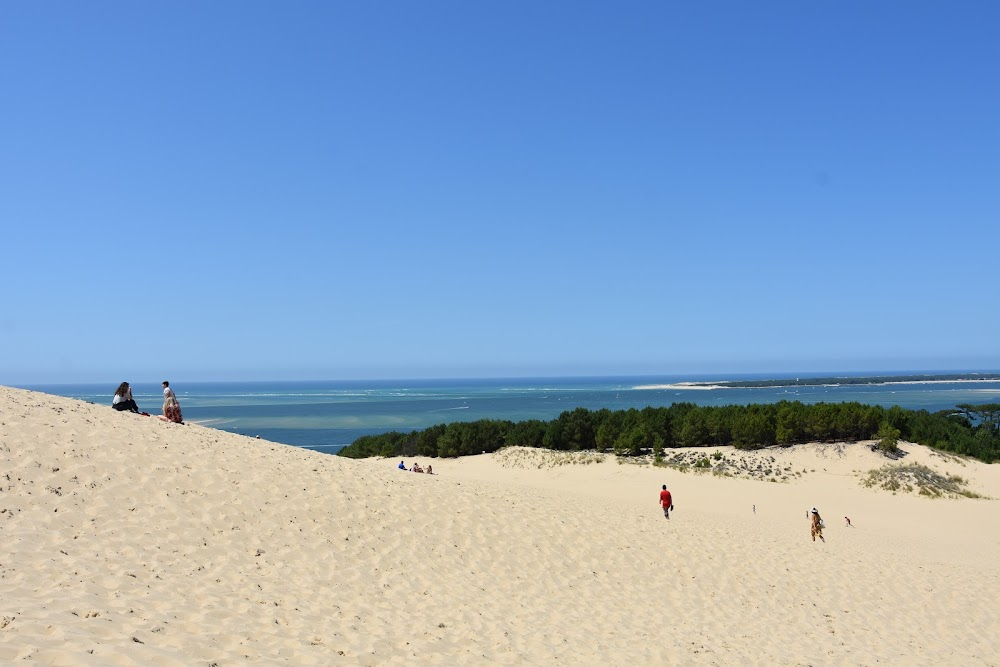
690, 386
129, 541
703, 386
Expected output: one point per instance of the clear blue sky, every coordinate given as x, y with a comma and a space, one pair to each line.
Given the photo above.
331, 190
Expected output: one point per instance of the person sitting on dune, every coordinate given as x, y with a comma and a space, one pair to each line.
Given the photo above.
430, 469
123, 399
417, 468
171, 411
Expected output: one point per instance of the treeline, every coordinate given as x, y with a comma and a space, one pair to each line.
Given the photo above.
874, 379
968, 430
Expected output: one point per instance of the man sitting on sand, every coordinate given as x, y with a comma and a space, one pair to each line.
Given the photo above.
417, 468
401, 466
430, 469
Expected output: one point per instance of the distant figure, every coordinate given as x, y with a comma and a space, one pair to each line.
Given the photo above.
667, 501
754, 509
171, 411
416, 467
430, 469
848, 520
815, 524
123, 399
401, 466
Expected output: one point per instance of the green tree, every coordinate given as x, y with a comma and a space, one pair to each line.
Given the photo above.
790, 423
578, 429
753, 429
529, 433
633, 441
553, 438
986, 416
607, 433
888, 438
427, 440
694, 432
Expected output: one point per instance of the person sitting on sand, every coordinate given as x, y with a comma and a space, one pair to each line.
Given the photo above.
430, 469
123, 399
401, 466
816, 525
417, 468
171, 411
170, 398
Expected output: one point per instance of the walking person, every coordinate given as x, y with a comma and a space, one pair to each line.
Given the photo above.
816, 524
667, 501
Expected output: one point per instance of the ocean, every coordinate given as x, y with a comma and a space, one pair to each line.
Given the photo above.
326, 416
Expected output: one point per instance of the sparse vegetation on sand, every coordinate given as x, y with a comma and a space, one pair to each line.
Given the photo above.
738, 464
523, 457
917, 478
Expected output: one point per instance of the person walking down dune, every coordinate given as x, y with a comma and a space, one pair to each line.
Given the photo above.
667, 501
816, 525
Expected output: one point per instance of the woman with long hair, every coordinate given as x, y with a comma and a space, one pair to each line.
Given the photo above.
123, 399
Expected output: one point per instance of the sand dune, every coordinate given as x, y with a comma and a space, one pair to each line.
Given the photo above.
129, 541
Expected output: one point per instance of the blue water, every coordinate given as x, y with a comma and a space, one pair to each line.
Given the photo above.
325, 416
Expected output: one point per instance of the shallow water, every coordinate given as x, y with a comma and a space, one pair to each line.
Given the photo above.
328, 415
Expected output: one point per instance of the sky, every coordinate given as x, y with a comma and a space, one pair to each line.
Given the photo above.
346, 190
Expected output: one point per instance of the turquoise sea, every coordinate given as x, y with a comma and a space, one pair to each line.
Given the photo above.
325, 416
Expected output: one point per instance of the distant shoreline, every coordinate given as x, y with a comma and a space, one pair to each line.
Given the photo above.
823, 382
691, 386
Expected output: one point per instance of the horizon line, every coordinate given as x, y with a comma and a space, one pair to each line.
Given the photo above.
712, 375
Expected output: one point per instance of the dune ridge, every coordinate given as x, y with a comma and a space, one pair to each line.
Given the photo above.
129, 541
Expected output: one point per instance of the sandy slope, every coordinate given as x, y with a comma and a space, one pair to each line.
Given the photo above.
127, 540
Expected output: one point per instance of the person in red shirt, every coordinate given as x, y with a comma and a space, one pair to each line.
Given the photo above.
667, 501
